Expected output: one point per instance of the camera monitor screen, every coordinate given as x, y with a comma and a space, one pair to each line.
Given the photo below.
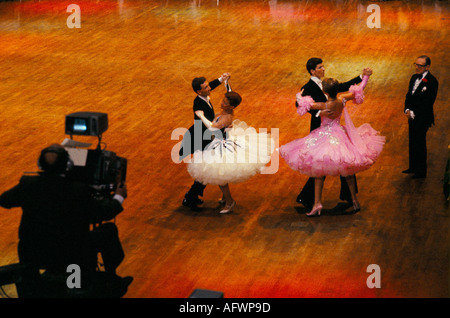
86, 123
79, 125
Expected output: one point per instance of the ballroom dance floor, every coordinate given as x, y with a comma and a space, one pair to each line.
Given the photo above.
135, 60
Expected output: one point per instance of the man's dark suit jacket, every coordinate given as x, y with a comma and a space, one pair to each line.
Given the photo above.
189, 137
313, 90
421, 102
56, 219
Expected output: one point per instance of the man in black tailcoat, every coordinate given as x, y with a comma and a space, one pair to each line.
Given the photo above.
418, 109
195, 138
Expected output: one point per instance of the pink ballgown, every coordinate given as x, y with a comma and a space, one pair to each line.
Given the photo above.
333, 149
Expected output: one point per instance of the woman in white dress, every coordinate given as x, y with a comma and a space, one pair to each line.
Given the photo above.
236, 155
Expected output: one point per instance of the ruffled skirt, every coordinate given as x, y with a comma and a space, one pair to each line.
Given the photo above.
328, 151
235, 159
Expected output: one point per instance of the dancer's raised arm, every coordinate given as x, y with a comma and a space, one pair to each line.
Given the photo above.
356, 92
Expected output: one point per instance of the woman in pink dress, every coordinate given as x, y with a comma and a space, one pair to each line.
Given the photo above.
333, 149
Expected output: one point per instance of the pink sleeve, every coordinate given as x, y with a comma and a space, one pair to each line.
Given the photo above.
358, 90
303, 104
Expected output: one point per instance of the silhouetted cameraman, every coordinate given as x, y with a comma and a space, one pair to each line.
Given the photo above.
55, 229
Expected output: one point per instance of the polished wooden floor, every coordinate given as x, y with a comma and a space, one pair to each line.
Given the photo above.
135, 60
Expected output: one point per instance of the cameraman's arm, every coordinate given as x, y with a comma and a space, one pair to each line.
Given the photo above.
108, 208
10, 198
14, 196
121, 193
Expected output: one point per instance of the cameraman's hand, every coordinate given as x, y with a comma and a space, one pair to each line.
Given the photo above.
122, 190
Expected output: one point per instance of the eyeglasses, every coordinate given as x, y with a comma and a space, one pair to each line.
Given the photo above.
419, 65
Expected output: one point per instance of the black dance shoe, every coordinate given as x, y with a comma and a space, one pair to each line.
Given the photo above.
118, 286
345, 204
408, 171
187, 202
305, 204
356, 206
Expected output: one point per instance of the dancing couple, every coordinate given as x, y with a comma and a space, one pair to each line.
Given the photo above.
333, 149
227, 152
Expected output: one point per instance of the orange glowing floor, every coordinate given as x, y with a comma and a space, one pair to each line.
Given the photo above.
135, 61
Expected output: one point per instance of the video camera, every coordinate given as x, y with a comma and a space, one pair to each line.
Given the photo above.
101, 169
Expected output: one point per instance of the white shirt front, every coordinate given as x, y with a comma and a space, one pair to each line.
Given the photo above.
317, 80
417, 83
206, 99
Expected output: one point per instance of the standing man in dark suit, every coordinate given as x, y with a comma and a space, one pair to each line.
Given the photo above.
418, 109
313, 88
195, 138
